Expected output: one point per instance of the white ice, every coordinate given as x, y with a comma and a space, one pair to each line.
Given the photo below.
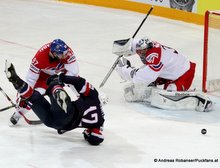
135, 135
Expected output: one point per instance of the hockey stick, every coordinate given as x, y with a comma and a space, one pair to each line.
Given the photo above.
7, 96
31, 122
6, 108
116, 62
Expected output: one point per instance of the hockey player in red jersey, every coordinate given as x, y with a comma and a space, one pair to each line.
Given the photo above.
61, 113
163, 66
50, 59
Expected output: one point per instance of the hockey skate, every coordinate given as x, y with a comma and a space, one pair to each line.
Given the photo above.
10, 72
13, 77
14, 118
19, 84
61, 97
21, 109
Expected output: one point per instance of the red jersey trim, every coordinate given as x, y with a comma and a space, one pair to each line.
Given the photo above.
86, 93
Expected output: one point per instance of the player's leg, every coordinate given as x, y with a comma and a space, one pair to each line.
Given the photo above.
39, 104
93, 120
93, 135
24, 90
184, 82
179, 100
22, 107
50, 114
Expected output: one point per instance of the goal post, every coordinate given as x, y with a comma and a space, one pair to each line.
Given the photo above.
211, 52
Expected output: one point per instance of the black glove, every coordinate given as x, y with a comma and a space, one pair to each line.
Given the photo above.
55, 80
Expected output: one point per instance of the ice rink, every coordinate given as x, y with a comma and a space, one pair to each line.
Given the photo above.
136, 136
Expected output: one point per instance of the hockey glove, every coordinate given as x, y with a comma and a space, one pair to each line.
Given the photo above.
124, 62
22, 103
55, 80
124, 69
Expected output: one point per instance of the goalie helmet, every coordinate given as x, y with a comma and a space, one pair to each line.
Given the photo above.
58, 48
141, 48
143, 43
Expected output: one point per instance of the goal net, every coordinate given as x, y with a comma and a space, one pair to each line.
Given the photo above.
211, 52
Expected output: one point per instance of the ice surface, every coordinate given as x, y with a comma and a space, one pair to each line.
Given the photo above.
135, 135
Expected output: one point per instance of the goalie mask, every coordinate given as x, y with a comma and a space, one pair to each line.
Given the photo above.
58, 48
143, 43
142, 46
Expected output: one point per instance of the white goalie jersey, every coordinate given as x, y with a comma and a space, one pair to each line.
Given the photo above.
159, 62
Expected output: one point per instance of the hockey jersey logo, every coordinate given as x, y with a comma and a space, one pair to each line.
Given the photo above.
49, 69
152, 58
54, 70
157, 67
154, 61
59, 68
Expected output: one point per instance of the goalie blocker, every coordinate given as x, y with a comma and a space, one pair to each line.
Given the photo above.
168, 100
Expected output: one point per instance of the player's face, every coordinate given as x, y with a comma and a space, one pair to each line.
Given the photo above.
141, 53
59, 56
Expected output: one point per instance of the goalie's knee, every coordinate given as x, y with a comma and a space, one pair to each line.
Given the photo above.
171, 87
137, 92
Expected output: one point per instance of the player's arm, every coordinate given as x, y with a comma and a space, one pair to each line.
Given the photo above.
32, 74
71, 64
144, 74
83, 87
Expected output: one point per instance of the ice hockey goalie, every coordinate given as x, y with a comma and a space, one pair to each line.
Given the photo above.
162, 66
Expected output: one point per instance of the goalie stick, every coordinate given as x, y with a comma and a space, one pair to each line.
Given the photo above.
31, 122
116, 62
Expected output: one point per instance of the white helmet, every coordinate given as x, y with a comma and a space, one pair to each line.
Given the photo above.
143, 43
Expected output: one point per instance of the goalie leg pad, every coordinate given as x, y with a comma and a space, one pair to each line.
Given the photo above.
173, 100
204, 103
180, 100
137, 92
